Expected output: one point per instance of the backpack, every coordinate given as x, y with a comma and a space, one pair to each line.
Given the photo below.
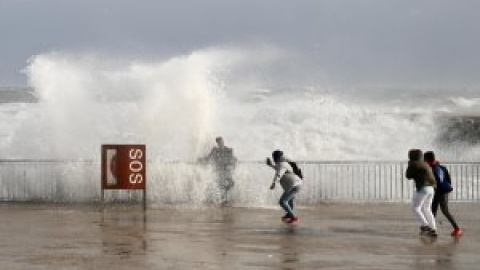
296, 169
443, 179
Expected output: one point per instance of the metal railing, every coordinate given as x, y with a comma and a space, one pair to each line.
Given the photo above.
381, 181
353, 181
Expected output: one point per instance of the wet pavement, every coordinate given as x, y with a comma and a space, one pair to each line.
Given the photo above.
330, 236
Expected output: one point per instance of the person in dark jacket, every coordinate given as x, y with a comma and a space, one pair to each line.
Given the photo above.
224, 163
424, 179
444, 187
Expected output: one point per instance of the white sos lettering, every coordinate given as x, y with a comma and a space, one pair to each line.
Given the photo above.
136, 166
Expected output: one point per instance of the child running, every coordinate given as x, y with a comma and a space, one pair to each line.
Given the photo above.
422, 174
289, 181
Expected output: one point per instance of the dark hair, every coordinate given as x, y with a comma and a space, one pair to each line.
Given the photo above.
429, 156
415, 154
276, 155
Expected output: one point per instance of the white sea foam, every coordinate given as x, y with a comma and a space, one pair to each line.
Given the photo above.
177, 106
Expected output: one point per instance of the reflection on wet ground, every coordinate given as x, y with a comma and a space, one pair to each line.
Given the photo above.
328, 236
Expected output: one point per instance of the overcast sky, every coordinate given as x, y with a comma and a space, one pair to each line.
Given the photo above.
353, 41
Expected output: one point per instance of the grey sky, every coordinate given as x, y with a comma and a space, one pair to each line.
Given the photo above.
355, 41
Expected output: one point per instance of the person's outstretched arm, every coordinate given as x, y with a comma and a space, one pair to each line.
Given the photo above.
204, 160
279, 171
270, 163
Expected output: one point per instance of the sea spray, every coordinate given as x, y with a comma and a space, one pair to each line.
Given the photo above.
178, 106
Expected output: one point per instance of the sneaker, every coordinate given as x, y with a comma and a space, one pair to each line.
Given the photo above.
456, 232
293, 220
424, 230
285, 218
431, 232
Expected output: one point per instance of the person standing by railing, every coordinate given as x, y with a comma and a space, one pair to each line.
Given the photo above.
224, 162
422, 174
444, 187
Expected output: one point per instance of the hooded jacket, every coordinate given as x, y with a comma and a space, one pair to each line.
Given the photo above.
442, 177
284, 173
419, 171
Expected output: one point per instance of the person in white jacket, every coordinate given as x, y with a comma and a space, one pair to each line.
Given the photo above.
289, 181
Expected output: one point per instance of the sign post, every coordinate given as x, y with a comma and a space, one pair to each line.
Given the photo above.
124, 167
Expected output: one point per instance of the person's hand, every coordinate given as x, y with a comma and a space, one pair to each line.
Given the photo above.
272, 186
269, 162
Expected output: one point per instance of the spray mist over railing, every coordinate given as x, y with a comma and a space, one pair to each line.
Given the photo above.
177, 106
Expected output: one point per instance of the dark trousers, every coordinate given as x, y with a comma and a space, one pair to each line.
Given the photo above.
225, 184
442, 200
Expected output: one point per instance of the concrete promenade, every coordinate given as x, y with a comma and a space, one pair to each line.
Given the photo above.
329, 236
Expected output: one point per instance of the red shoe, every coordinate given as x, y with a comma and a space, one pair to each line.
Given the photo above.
293, 220
456, 232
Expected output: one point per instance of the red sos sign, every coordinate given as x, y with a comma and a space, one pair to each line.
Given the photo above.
123, 166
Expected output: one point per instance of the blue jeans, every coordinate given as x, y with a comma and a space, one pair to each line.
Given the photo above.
286, 200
